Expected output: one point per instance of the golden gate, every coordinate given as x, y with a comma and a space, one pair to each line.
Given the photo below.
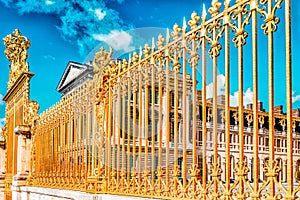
144, 126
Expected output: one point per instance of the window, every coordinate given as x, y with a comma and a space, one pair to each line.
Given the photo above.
156, 96
179, 162
278, 143
266, 142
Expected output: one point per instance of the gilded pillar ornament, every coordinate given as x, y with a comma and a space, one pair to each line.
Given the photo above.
16, 53
100, 64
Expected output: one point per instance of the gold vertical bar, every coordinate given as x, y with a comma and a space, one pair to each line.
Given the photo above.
102, 136
215, 106
128, 125
60, 146
194, 111
271, 96
176, 115
62, 130
119, 133
184, 111
134, 128
95, 157
87, 137
227, 100
146, 125
90, 131
241, 95
69, 146
241, 100
75, 144
71, 165
105, 136
255, 99
204, 130
153, 121
123, 127
168, 99
160, 93
108, 139
79, 140
114, 129
288, 53
140, 123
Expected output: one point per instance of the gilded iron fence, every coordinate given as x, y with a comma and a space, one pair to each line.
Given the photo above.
157, 132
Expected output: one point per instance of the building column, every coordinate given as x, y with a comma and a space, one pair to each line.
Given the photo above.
20, 178
180, 133
223, 166
284, 178
189, 129
2, 167
250, 168
164, 119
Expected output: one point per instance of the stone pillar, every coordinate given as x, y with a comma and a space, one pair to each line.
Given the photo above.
164, 119
180, 133
2, 167
189, 129
20, 178
223, 166
250, 169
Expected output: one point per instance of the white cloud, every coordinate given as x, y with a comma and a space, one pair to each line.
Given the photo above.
248, 98
49, 57
220, 87
1, 100
100, 14
2, 122
248, 95
295, 98
119, 40
49, 2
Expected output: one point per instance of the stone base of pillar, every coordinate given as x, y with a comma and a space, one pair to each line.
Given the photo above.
20, 177
2, 186
19, 180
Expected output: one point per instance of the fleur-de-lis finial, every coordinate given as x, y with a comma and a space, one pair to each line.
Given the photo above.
146, 50
124, 64
214, 9
153, 44
141, 53
204, 13
135, 57
160, 42
253, 4
176, 31
168, 36
184, 26
119, 66
193, 23
129, 60
227, 2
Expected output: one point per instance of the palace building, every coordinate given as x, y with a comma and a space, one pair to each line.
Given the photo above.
78, 76
144, 126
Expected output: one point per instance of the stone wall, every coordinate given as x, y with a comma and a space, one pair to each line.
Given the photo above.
39, 193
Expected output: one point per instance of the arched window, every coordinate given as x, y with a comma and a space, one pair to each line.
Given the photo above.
232, 166
265, 163
280, 175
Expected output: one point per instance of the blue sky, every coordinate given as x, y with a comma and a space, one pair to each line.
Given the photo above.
61, 31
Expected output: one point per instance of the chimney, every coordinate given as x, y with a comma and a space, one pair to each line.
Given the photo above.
221, 99
260, 106
278, 109
199, 95
250, 106
296, 112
